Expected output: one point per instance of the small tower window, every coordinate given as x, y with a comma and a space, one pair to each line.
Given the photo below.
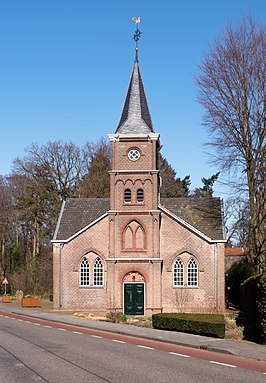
127, 196
140, 195
133, 154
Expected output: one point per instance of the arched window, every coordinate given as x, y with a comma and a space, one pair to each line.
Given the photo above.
128, 238
140, 195
98, 272
127, 196
139, 238
134, 237
178, 273
192, 273
84, 271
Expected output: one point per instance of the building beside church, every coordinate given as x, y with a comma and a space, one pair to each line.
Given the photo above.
136, 252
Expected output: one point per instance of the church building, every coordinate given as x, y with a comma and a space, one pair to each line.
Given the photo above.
135, 252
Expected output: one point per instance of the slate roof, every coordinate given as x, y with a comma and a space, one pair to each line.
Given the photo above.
79, 213
135, 118
205, 214
202, 213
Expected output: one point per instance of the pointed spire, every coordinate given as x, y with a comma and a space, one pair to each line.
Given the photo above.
135, 116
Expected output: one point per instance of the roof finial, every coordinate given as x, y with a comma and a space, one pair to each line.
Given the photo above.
136, 36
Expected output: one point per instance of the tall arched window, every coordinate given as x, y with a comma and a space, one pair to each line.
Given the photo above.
140, 195
192, 273
178, 273
98, 272
134, 237
84, 272
127, 196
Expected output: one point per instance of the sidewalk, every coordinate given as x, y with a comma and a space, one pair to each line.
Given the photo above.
239, 348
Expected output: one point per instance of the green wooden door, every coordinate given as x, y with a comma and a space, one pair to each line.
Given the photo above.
134, 298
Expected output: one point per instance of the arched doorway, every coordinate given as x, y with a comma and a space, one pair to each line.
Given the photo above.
134, 288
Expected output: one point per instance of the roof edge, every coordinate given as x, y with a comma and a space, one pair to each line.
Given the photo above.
115, 136
80, 231
59, 220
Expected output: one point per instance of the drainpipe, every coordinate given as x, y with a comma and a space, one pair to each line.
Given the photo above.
215, 273
60, 276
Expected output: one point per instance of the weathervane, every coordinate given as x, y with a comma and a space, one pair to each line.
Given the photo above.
137, 34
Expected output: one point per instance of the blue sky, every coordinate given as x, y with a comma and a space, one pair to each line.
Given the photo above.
65, 68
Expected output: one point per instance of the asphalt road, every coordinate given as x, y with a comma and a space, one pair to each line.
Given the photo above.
33, 350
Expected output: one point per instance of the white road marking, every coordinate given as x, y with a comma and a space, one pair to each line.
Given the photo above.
222, 364
36, 324
183, 355
61, 329
148, 348
13, 318
20, 320
76, 332
117, 341
26, 321
48, 326
97, 336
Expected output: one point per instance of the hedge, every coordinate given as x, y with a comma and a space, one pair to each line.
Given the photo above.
200, 324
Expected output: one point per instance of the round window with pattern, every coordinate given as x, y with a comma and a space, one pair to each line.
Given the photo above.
133, 154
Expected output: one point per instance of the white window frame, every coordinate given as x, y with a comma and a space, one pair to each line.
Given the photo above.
194, 270
98, 273
84, 272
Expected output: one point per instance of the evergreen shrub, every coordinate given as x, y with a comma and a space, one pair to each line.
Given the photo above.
200, 324
237, 274
253, 306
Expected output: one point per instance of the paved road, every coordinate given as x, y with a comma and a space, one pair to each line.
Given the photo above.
36, 350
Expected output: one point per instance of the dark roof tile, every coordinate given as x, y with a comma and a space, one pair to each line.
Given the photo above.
202, 213
205, 214
79, 213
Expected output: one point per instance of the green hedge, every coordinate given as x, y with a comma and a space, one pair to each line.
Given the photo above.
253, 306
201, 324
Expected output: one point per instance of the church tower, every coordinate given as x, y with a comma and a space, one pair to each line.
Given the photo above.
134, 239
134, 253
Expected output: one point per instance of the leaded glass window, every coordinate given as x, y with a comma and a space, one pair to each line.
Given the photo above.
98, 272
192, 273
84, 272
178, 273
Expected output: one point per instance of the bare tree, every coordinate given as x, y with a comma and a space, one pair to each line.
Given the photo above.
236, 220
232, 90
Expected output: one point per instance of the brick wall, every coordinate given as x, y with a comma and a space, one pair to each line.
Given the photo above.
151, 256
178, 241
